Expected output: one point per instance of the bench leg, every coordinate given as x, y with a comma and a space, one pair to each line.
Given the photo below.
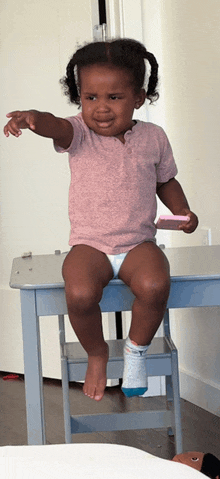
32, 369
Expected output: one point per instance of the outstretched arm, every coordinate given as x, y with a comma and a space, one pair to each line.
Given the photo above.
43, 124
172, 196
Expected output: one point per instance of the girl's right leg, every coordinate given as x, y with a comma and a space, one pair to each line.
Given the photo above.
86, 271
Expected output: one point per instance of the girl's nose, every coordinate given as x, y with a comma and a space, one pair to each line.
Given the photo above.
102, 105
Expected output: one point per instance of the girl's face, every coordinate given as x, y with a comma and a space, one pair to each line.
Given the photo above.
108, 99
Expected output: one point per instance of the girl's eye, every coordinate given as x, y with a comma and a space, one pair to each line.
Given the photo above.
90, 98
114, 97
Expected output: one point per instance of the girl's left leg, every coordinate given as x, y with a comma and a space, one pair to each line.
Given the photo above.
146, 271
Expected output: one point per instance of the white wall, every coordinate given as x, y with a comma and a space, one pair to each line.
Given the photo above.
185, 36
37, 40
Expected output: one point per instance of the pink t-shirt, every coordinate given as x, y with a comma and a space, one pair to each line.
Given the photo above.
112, 195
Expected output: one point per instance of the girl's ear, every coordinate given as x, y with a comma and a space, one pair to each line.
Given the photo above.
140, 99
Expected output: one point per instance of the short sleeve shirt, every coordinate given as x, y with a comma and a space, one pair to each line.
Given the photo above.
112, 194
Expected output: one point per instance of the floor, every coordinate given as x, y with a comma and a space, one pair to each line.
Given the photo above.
201, 430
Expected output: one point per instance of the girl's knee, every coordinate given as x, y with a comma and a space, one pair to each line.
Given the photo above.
152, 290
161, 289
82, 297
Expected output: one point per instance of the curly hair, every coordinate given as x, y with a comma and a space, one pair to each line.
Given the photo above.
122, 53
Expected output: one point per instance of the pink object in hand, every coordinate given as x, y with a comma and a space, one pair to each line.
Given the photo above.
171, 222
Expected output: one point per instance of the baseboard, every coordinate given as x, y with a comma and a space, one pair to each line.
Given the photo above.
204, 394
192, 388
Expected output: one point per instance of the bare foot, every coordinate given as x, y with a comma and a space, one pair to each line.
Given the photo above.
95, 380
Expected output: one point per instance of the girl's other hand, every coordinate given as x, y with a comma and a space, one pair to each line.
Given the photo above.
20, 120
192, 224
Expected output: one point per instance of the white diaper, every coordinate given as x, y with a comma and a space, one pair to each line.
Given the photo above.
116, 261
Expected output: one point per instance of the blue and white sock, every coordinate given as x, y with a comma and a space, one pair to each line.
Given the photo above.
135, 381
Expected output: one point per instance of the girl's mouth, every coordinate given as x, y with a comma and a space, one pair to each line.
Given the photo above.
104, 124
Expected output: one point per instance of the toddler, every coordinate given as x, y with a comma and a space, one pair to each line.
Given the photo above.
118, 166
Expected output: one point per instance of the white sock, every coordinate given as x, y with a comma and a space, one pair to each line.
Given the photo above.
135, 379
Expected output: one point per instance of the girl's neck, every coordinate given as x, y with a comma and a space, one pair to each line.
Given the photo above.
121, 135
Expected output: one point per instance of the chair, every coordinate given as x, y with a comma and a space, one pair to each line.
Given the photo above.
162, 360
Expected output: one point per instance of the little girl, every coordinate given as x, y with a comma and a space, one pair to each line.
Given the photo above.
118, 165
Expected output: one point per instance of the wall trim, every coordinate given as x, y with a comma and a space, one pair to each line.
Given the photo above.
203, 394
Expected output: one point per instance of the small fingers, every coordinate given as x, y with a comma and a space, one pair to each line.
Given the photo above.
12, 128
191, 225
185, 225
13, 113
9, 129
187, 228
18, 120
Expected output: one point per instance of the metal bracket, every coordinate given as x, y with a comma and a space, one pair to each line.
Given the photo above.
100, 33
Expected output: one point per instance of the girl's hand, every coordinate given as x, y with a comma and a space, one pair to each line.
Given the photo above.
20, 120
192, 224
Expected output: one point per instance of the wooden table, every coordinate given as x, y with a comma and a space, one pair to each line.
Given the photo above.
195, 282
